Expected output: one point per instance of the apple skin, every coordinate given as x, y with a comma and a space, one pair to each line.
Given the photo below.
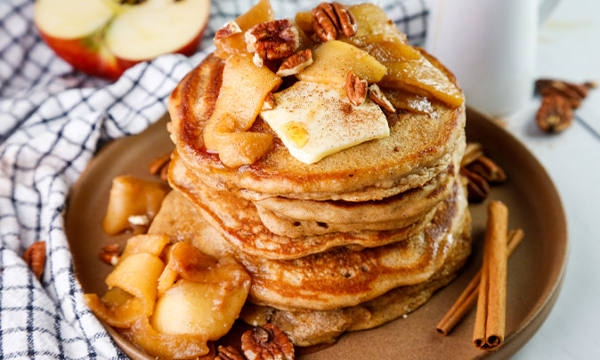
89, 55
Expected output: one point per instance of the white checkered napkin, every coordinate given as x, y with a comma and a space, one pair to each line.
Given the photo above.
52, 119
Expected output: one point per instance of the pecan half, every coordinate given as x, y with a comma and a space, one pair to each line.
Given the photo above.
228, 353
574, 93
272, 40
487, 169
159, 163
332, 19
472, 152
295, 63
109, 254
269, 103
379, 98
477, 188
228, 29
356, 89
555, 114
267, 342
35, 257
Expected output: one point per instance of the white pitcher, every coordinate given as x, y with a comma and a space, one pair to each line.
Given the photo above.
490, 45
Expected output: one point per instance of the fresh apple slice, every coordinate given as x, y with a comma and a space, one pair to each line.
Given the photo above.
105, 37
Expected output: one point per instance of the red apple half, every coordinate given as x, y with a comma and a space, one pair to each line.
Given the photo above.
105, 37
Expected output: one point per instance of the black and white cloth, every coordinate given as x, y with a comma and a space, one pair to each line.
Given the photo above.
52, 120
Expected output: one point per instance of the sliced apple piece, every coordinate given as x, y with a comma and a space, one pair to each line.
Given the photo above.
421, 74
372, 20
405, 100
235, 44
105, 37
225, 131
130, 196
384, 48
332, 61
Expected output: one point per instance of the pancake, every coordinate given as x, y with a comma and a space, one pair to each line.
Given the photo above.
296, 218
339, 277
418, 148
310, 327
240, 224
295, 228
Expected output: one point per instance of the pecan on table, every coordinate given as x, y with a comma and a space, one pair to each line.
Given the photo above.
228, 353
573, 93
295, 63
272, 40
35, 257
555, 114
267, 342
356, 88
379, 98
332, 19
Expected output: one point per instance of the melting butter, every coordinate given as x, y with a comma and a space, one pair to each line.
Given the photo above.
315, 120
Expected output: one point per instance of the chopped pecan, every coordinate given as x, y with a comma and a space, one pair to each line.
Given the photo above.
379, 98
159, 163
573, 93
35, 257
472, 152
555, 114
295, 63
487, 169
356, 88
267, 342
228, 29
272, 40
109, 254
269, 103
332, 19
477, 188
228, 353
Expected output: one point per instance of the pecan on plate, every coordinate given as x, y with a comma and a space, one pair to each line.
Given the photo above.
477, 188
228, 29
487, 169
160, 164
555, 114
272, 40
267, 342
573, 93
332, 19
379, 98
109, 254
356, 89
295, 63
228, 353
472, 152
35, 257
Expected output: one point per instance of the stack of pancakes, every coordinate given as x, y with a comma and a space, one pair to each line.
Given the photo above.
355, 240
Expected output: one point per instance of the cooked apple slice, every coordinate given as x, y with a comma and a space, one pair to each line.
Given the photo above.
372, 20
421, 74
235, 43
332, 61
225, 131
105, 37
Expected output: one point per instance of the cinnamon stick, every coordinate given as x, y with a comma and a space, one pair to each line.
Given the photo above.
491, 302
468, 298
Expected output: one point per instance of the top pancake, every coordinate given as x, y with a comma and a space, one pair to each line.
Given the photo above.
419, 147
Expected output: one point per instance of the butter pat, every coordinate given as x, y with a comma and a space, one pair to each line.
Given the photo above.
316, 120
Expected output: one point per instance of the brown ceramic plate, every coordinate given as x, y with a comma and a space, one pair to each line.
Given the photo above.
535, 270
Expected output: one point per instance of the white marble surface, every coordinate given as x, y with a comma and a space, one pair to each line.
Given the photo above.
569, 48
